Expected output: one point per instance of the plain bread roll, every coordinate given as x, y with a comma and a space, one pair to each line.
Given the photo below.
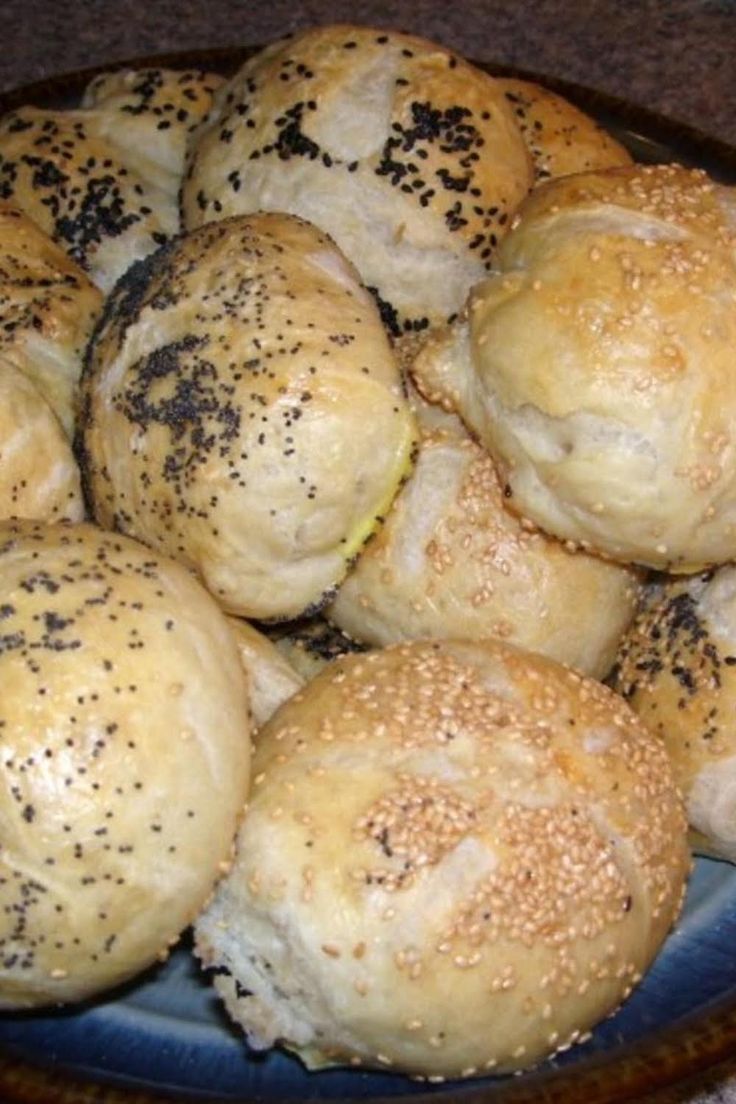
271, 678
39, 477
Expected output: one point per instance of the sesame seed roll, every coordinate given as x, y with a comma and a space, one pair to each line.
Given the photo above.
596, 365
457, 858
451, 560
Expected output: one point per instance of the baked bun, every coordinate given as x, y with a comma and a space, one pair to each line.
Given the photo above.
148, 114
405, 154
124, 757
597, 365
561, 138
271, 678
452, 561
65, 175
39, 477
439, 827
47, 310
677, 669
243, 412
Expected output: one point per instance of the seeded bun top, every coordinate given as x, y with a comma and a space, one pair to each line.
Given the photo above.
243, 412
597, 364
408, 156
560, 137
677, 669
446, 826
148, 114
125, 751
48, 308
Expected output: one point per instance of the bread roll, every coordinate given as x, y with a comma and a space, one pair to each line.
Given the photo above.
47, 310
243, 412
39, 477
677, 670
271, 678
124, 756
147, 115
561, 138
64, 174
405, 154
452, 561
438, 829
597, 365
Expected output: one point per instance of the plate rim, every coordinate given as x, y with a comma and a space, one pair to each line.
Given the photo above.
668, 1058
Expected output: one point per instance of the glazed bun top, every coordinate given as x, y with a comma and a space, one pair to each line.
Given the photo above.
443, 827
560, 137
148, 114
125, 754
243, 411
597, 365
47, 310
405, 154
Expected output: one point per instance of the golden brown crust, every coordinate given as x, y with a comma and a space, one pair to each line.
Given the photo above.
597, 365
125, 757
561, 138
404, 153
244, 413
446, 825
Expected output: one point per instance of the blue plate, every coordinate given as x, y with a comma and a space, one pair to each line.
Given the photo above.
168, 1030
165, 1036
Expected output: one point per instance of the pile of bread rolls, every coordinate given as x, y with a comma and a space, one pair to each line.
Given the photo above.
416, 370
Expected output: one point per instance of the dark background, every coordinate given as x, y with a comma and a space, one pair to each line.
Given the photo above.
674, 56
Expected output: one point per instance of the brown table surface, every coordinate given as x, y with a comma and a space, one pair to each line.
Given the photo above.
677, 57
